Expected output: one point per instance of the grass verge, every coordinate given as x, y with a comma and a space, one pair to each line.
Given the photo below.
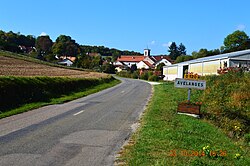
59, 100
166, 138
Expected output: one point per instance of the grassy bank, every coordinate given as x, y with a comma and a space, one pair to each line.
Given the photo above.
227, 103
20, 94
166, 138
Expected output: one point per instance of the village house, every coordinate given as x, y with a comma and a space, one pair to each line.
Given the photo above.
66, 60
145, 61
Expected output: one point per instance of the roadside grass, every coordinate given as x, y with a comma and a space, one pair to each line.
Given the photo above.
61, 99
167, 138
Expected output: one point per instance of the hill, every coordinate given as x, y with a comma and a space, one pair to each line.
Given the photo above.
18, 65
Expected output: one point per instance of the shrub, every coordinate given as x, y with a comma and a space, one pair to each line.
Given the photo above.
227, 103
247, 138
153, 78
144, 76
16, 91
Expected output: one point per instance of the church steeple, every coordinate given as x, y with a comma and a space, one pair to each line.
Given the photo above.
147, 52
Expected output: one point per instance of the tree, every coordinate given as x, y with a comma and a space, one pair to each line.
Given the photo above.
108, 68
65, 46
203, 52
236, 41
183, 58
176, 51
44, 45
173, 49
182, 49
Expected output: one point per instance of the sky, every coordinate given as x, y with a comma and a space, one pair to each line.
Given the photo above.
129, 24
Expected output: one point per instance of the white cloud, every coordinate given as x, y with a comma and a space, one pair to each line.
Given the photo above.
152, 42
167, 44
43, 34
241, 27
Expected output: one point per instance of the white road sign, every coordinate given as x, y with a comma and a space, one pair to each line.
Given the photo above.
193, 84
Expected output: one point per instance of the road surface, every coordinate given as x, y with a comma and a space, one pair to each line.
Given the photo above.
86, 131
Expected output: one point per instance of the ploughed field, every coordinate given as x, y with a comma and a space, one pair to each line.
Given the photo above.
17, 67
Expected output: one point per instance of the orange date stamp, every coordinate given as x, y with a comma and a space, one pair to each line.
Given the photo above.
196, 153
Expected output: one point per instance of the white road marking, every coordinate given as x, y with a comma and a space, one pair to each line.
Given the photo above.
122, 92
78, 112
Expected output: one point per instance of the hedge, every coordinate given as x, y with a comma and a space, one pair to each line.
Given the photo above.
16, 91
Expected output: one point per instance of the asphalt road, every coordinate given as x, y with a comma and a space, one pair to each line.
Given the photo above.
86, 131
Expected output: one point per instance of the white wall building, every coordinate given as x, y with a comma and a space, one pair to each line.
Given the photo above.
208, 65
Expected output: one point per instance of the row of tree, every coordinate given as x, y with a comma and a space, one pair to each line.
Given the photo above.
11, 41
45, 48
236, 41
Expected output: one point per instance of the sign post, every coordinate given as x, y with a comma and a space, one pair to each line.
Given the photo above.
189, 94
188, 107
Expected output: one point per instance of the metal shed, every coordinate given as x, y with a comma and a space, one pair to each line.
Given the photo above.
208, 65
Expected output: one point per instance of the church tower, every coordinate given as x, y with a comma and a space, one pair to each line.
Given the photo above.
147, 52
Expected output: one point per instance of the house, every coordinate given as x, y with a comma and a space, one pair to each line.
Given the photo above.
71, 58
66, 62
163, 59
208, 65
145, 61
144, 65
129, 60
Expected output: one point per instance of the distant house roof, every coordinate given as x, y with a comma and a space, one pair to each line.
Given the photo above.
66, 62
148, 64
130, 58
160, 57
71, 58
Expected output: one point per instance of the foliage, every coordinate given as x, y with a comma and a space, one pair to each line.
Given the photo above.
89, 62
44, 45
108, 68
104, 51
65, 46
227, 102
146, 75
236, 41
183, 58
160, 67
182, 49
10, 41
62, 99
16, 91
153, 78
175, 51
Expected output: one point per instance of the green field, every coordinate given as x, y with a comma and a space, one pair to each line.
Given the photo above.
167, 138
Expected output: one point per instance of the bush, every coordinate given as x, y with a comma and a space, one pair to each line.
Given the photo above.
16, 91
153, 78
227, 102
144, 76
247, 138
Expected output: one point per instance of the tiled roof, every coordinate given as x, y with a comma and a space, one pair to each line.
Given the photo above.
130, 58
160, 57
148, 64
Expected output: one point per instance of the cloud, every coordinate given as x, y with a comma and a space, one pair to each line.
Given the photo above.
167, 44
152, 42
241, 27
43, 34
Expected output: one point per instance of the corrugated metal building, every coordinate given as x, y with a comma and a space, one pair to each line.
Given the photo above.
208, 65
